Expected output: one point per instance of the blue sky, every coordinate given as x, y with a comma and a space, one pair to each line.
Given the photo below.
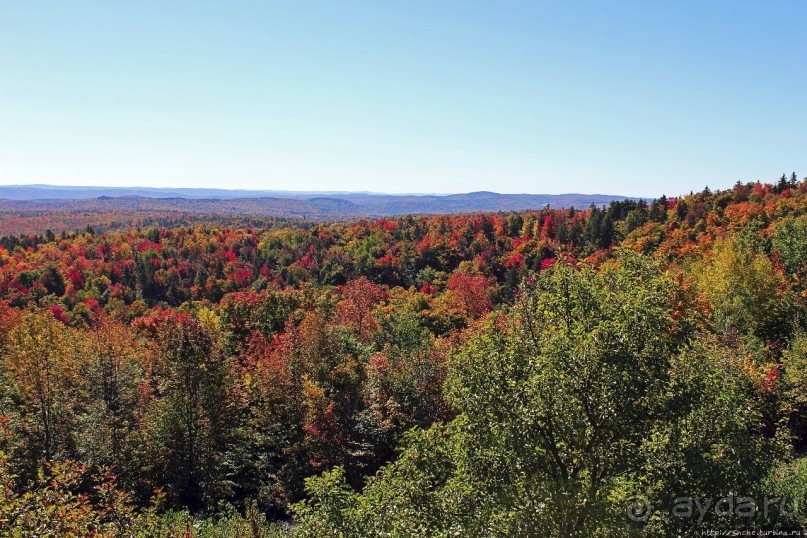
635, 98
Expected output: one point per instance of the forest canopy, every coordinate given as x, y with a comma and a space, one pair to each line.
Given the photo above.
578, 371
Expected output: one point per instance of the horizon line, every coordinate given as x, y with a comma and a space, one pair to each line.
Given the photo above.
323, 192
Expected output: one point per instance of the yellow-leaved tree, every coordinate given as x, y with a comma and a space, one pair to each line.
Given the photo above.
42, 364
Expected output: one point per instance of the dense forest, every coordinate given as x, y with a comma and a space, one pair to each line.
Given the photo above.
558, 372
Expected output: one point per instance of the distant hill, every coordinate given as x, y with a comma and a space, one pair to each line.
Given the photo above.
58, 192
311, 205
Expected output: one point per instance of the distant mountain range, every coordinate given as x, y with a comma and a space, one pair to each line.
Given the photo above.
310, 205
58, 192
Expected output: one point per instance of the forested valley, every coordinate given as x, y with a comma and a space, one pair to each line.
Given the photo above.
556, 372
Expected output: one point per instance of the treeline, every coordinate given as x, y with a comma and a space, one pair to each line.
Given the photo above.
150, 266
37, 223
483, 374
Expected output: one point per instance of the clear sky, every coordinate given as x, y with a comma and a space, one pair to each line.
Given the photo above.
635, 98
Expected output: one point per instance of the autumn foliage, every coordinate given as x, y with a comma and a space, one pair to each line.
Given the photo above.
198, 365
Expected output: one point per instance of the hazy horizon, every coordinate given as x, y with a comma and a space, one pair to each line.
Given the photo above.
290, 191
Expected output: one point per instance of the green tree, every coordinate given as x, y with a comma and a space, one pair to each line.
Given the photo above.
710, 443
115, 368
794, 362
193, 419
790, 244
561, 406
